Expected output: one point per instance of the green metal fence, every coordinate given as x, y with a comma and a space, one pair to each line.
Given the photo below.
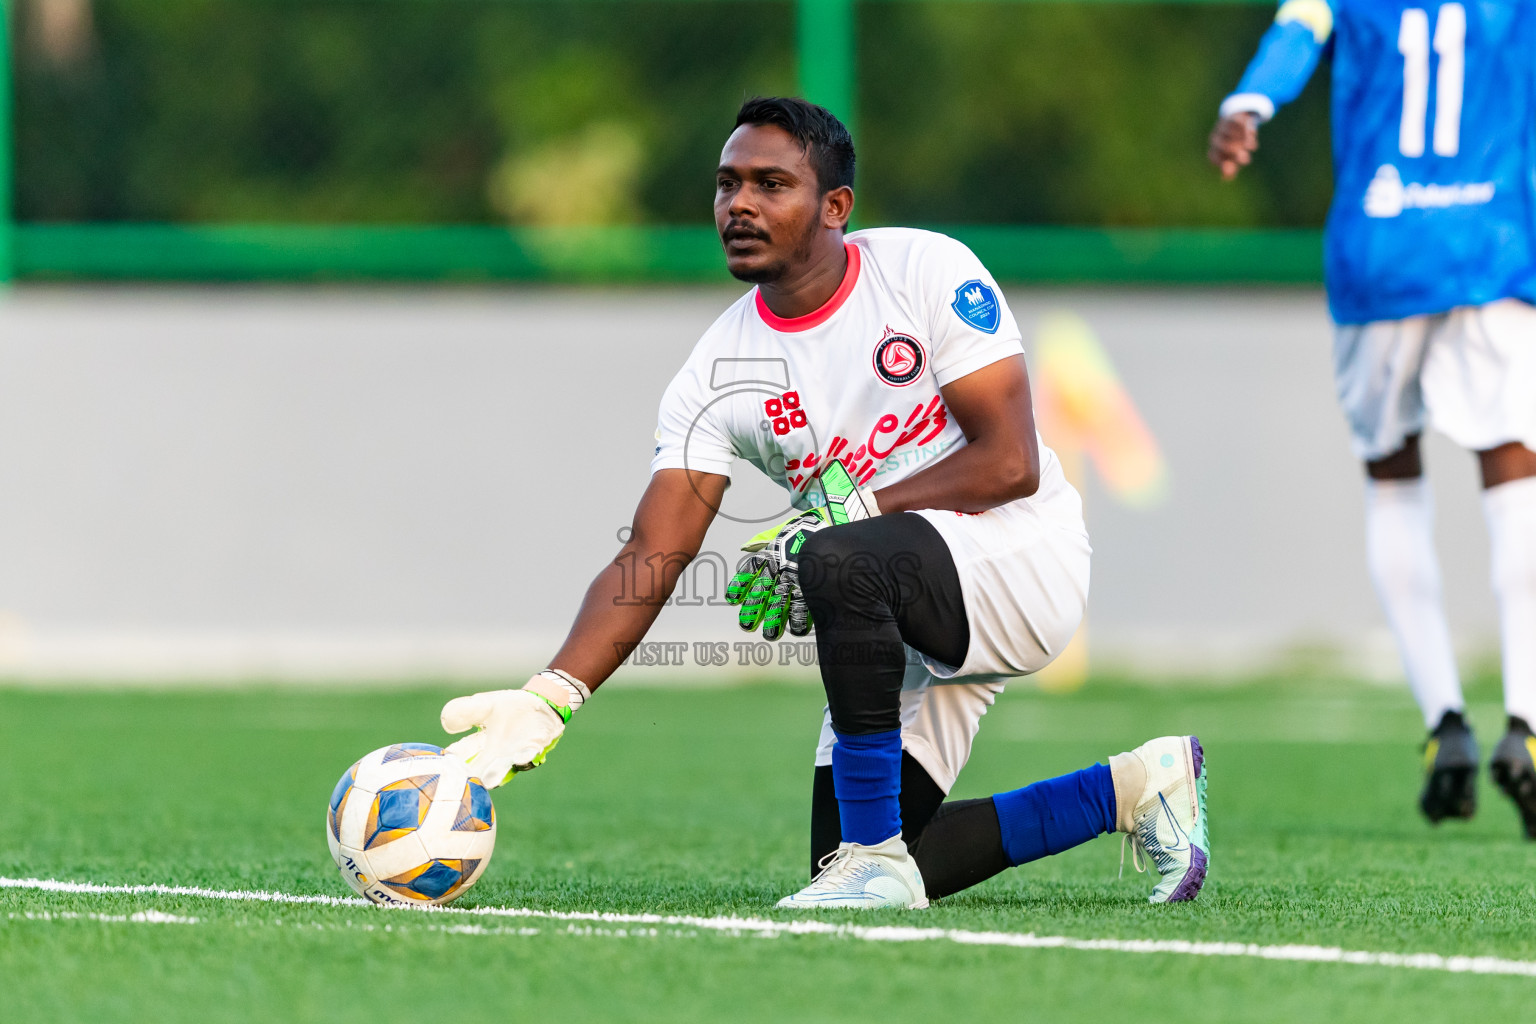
826, 51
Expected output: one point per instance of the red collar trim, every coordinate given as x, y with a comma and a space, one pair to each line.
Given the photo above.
820, 316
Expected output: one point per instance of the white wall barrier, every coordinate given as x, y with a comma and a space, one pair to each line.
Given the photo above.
225, 484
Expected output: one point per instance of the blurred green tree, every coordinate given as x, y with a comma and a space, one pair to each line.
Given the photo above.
1072, 113
489, 111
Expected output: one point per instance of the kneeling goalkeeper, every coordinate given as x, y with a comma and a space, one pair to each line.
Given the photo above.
880, 378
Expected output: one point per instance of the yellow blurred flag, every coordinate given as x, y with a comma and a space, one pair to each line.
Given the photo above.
1084, 410
1086, 415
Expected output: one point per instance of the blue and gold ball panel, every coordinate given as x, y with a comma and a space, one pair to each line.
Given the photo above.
339, 800
399, 809
436, 880
403, 750
475, 811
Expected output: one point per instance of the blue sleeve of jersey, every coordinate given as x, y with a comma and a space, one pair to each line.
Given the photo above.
1288, 54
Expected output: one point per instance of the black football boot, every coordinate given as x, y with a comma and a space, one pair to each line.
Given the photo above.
1515, 771
1450, 771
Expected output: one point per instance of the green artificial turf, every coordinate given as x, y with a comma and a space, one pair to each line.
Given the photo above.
694, 802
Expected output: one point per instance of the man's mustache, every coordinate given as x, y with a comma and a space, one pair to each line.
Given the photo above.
740, 229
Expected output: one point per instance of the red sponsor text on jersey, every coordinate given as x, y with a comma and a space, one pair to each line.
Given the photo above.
924, 423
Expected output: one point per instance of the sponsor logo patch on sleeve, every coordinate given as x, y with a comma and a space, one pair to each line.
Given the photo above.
976, 303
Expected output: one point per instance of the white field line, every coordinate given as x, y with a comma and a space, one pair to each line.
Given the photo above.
765, 928
142, 917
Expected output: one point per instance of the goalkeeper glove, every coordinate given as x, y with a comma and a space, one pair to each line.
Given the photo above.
514, 729
767, 583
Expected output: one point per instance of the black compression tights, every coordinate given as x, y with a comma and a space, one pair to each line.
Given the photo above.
874, 588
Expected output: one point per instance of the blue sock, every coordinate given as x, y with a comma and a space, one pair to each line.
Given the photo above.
866, 775
1057, 814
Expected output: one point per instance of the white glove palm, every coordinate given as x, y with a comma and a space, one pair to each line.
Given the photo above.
514, 731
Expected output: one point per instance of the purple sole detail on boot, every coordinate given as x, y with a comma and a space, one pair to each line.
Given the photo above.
1193, 879
1194, 745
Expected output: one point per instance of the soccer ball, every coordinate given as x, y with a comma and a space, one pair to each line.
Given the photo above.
408, 825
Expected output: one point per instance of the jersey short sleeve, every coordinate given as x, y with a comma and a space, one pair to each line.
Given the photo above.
968, 318
1287, 56
689, 434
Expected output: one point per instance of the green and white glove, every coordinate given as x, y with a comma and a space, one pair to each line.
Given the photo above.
514, 730
767, 583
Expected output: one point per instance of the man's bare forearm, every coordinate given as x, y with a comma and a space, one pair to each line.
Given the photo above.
619, 608
975, 478
1001, 461
625, 598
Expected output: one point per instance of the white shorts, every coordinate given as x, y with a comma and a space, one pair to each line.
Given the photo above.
1023, 571
1470, 373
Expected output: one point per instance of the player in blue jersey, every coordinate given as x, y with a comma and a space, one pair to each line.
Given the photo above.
1431, 273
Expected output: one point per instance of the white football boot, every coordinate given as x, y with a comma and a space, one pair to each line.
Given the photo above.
1170, 828
868, 877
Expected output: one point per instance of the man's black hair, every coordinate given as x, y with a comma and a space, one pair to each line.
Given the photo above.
821, 135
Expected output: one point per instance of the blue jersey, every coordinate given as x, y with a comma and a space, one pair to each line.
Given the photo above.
1434, 147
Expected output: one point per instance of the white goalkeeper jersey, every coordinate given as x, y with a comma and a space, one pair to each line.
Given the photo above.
857, 380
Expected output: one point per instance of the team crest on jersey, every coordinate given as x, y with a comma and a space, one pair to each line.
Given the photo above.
976, 304
899, 359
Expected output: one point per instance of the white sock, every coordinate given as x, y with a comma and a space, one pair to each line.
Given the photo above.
1511, 512
1400, 551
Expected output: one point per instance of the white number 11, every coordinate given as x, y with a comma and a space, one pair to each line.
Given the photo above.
1450, 47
